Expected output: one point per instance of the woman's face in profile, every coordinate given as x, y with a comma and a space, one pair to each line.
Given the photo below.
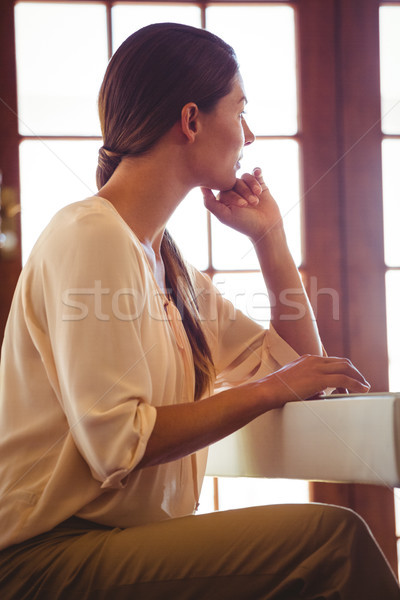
224, 133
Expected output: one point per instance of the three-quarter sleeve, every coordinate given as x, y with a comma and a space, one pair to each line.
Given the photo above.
90, 339
243, 351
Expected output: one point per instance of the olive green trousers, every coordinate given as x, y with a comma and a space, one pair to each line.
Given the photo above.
286, 552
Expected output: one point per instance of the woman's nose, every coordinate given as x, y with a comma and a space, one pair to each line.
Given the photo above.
249, 136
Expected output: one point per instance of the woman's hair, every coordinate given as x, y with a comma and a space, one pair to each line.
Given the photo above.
152, 75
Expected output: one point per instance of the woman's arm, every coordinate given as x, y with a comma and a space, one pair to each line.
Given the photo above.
182, 429
250, 209
291, 312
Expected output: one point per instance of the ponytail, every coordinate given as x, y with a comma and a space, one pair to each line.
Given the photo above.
108, 161
183, 294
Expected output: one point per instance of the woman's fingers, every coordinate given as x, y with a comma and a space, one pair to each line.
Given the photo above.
308, 376
227, 198
246, 191
241, 194
260, 179
208, 194
348, 382
212, 203
252, 183
344, 366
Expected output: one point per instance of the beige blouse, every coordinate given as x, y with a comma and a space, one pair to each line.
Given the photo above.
91, 348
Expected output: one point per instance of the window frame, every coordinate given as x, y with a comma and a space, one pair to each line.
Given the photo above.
342, 165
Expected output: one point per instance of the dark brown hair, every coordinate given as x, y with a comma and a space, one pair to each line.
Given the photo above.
152, 75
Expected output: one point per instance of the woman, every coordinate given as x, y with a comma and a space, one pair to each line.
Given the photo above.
113, 350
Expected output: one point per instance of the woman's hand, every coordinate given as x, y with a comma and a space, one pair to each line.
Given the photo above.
308, 376
182, 429
248, 207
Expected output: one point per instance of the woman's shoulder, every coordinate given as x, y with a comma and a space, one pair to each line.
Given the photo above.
92, 224
94, 214
86, 238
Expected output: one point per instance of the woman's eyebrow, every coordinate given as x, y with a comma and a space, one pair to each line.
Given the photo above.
243, 98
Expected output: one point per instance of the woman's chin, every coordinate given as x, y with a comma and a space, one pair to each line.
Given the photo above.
222, 183
227, 184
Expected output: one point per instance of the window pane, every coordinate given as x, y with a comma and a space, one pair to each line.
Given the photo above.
247, 292
61, 57
53, 174
230, 249
389, 30
279, 160
188, 227
263, 38
206, 501
393, 320
239, 492
127, 18
391, 200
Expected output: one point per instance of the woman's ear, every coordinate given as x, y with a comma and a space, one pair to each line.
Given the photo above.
190, 121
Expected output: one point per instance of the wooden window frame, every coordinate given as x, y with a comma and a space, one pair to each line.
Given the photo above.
343, 209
